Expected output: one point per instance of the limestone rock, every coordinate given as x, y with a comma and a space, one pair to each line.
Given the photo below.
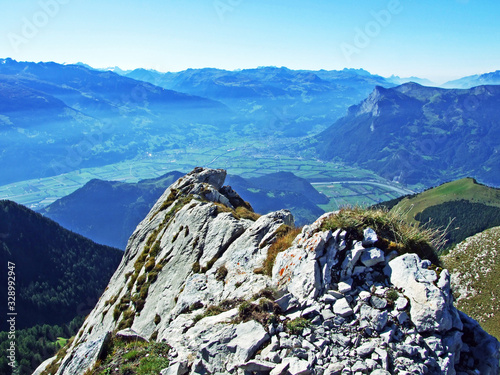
193, 261
430, 308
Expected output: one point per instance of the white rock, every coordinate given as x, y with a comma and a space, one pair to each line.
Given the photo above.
249, 338
179, 368
364, 295
430, 309
342, 308
401, 303
298, 366
345, 286
369, 237
372, 256
280, 369
367, 348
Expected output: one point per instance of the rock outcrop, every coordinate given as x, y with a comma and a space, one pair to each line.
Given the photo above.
193, 276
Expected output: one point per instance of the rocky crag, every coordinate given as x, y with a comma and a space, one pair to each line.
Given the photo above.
196, 274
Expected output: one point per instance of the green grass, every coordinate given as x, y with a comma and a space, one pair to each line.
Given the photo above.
61, 341
465, 189
284, 238
297, 325
345, 194
242, 161
124, 357
475, 266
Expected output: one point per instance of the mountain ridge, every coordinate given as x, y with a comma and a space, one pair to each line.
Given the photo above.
192, 264
415, 134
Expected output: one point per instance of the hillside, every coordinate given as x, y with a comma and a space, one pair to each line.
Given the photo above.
206, 286
475, 268
463, 206
59, 274
420, 136
108, 211
281, 190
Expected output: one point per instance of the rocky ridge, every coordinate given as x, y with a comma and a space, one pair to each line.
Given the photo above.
334, 304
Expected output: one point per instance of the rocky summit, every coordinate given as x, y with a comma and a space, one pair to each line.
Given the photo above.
223, 288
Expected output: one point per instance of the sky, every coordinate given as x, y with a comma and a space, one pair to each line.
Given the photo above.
435, 39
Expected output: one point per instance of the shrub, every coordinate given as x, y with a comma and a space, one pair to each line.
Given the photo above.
297, 325
150, 264
196, 267
392, 295
170, 199
221, 273
157, 319
261, 313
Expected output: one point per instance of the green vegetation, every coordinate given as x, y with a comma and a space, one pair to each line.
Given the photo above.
392, 295
476, 268
363, 193
221, 273
241, 161
393, 231
297, 325
213, 310
463, 207
463, 219
79, 268
132, 357
284, 238
464, 189
36, 344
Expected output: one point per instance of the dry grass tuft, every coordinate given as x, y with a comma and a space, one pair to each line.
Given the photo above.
285, 236
393, 230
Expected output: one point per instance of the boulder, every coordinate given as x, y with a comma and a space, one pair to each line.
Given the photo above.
430, 309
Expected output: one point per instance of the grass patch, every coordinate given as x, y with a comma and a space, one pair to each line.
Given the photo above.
132, 358
263, 312
238, 213
476, 267
392, 228
213, 310
297, 325
284, 238
221, 273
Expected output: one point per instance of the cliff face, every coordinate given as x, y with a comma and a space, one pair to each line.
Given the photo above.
332, 304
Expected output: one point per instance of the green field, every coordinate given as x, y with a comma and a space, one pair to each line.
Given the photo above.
242, 160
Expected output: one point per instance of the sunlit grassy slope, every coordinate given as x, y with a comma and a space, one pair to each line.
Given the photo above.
475, 268
464, 189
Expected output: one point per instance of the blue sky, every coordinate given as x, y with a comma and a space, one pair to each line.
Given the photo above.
435, 39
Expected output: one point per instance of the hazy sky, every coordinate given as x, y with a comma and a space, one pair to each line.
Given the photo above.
435, 39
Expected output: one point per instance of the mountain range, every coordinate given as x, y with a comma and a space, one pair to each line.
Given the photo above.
57, 118
420, 135
280, 101
492, 78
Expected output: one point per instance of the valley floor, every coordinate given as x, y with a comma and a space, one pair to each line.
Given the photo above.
353, 186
